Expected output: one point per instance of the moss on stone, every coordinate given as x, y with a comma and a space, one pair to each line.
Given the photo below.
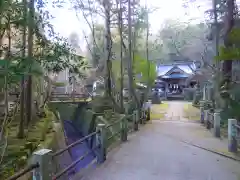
18, 151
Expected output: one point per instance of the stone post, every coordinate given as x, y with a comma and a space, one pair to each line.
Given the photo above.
44, 159
124, 129
149, 103
204, 93
202, 112
206, 116
148, 114
101, 142
209, 120
126, 108
137, 116
209, 92
140, 116
135, 120
145, 111
216, 124
143, 116
232, 141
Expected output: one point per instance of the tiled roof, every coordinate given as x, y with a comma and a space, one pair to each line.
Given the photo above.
163, 69
186, 68
175, 76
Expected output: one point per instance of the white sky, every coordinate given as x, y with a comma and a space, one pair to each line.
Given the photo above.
65, 20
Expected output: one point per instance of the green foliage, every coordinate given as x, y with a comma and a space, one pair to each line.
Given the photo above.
46, 123
59, 84
17, 68
230, 93
140, 66
52, 55
233, 52
57, 56
19, 150
140, 70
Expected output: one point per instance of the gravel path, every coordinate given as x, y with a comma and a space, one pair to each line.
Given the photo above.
157, 153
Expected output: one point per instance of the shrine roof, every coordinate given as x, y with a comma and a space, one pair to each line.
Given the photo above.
162, 70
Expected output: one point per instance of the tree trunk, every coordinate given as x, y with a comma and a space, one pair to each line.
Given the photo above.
7, 60
22, 86
216, 102
229, 23
147, 57
121, 53
131, 42
130, 73
108, 53
30, 57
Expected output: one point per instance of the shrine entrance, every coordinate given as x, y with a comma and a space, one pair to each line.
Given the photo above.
175, 87
175, 79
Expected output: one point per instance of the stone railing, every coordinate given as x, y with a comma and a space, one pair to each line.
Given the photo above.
41, 164
212, 122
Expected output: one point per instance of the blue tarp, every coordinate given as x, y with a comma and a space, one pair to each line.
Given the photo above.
79, 150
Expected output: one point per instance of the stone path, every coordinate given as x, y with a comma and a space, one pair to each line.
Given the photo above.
175, 111
162, 150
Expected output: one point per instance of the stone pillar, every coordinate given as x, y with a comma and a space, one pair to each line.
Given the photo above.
202, 112
147, 109
216, 125
135, 120
206, 116
232, 141
44, 159
208, 92
204, 93
101, 142
140, 120
124, 129
209, 120
148, 114
143, 116
126, 107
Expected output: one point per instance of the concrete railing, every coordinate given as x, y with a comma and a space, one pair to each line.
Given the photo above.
41, 164
233, 135
210, 120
